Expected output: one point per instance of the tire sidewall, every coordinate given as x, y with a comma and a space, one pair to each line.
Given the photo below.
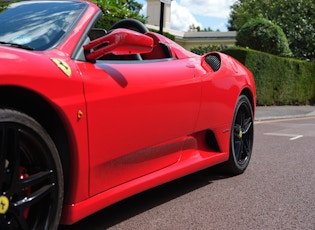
12, 116
234, 165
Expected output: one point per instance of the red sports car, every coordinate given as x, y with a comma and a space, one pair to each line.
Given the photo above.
89, 117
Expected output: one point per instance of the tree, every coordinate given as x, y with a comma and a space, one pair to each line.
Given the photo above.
194, 28
207, 29
295, 17
116, 10
261, 34
4, 5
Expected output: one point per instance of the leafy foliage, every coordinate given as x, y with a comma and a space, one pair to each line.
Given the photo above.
165, 34
295, 17
201, 50
261, 34
279, 81
194, 28
116, 10
4, 5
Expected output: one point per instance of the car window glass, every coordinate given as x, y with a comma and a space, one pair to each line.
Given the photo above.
39, 24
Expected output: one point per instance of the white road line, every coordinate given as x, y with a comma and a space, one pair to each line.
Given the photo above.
293, 136
257, 122
297, 137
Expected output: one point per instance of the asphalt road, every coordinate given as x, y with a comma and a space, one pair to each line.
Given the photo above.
276, 192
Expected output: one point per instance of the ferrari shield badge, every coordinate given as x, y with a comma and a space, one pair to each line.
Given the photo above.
63, 66
4, 204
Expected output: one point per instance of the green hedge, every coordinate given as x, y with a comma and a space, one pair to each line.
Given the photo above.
166, 34
261, 34
202, 49
279, 81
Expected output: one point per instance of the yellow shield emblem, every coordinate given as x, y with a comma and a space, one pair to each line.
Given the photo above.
63, 66
4, 204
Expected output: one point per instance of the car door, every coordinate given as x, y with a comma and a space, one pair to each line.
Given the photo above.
138, 111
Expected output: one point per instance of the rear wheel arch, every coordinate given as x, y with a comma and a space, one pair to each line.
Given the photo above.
242, 131
35, 106
247, 92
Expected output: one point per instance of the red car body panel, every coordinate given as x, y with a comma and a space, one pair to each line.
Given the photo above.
130, 125
149, 101
37, 73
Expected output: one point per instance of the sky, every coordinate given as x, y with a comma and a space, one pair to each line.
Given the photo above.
203, 13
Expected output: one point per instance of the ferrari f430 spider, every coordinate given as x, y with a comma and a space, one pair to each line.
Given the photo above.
89, 117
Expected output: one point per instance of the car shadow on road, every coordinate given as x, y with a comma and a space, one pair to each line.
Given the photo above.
130, 207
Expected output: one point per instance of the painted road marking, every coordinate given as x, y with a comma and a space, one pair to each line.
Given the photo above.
293, 136
257, 122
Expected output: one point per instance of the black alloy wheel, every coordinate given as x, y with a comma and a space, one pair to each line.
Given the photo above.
242, 136
31, 181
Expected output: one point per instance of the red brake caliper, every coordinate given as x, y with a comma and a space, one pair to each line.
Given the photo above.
23, 175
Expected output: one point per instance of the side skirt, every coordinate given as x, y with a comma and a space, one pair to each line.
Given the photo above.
191, 160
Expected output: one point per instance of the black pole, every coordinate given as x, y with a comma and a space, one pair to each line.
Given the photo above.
161, 18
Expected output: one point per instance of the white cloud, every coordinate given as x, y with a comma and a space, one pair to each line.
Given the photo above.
183, 13
209, 8
182, 18
143, 11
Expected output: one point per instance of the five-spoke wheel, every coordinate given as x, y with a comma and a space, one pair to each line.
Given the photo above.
242, 135
31, 181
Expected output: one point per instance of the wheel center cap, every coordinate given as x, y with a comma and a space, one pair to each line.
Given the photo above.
240, 134
4, 204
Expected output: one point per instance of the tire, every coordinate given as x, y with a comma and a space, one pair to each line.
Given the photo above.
31, 178
242, 136
131, 24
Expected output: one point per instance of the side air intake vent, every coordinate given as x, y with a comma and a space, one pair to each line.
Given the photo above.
214, 61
